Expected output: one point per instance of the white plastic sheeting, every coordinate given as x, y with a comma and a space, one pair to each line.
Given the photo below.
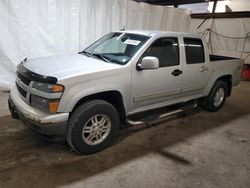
31, 29
236, 27
35, 28
240, 5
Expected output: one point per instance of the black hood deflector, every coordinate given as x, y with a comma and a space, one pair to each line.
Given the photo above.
26, 73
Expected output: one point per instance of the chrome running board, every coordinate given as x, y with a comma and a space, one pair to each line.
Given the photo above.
152, 118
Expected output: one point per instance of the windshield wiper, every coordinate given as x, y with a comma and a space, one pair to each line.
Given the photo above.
86, 53
101, 56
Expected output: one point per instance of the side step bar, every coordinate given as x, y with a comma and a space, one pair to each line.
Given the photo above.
157, 117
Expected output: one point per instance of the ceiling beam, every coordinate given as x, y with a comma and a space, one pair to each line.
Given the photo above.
214, 6
240, 14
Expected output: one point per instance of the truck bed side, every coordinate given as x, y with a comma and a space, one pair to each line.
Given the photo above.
224, 66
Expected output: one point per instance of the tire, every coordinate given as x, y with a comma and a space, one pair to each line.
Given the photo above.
87, 125
210, 103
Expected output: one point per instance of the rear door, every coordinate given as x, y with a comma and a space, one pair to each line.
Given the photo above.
196, 71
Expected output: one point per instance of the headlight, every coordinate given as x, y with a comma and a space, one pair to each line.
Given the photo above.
42, 102
47, 105
47, 87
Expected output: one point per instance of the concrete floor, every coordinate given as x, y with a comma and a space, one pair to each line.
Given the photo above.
194, 149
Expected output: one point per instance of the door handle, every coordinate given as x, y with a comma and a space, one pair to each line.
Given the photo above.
203, 69
176, 72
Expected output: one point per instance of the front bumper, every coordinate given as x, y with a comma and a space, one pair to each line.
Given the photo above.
46, 124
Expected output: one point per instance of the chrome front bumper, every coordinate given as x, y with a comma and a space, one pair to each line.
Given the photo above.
47, 124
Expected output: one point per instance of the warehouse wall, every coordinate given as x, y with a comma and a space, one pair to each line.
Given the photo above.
35, 28
240, 5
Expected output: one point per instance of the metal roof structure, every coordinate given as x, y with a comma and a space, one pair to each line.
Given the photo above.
176, 3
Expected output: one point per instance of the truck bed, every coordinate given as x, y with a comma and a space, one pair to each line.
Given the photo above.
223, 65
219, 58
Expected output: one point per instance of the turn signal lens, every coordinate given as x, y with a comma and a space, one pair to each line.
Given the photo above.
56, 88
53, 106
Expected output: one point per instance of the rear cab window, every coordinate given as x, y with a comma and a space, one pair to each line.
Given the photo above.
194, 50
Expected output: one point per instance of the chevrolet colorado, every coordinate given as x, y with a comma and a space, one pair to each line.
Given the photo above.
87, 96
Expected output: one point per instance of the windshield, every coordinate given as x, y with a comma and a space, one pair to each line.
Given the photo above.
116, 47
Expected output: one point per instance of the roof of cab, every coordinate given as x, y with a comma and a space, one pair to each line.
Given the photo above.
159, 33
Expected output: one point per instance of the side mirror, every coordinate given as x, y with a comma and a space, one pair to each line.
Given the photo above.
149, 62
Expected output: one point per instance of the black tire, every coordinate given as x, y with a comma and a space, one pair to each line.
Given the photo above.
80, 118
207, 103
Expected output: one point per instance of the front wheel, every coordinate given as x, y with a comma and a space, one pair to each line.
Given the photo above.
216, 98
92, 127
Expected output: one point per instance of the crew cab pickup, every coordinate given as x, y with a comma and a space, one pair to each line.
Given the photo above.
87, 96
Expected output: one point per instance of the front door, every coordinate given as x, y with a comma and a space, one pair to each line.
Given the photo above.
158, 87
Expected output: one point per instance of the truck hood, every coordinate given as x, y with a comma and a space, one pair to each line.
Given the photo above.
65, 66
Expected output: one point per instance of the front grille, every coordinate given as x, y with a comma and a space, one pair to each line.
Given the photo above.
21, 91
24, 80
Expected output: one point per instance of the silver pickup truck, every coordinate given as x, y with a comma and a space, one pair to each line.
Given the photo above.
87, 96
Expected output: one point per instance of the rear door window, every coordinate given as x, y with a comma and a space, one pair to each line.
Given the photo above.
194, 51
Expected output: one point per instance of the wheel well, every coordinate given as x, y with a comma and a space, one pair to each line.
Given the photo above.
228, 80
113, 97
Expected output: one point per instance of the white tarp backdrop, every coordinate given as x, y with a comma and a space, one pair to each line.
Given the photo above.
240, 5
35, 28
235, 27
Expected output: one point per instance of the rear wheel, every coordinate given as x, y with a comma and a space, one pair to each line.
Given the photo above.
216, 98
92, 126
